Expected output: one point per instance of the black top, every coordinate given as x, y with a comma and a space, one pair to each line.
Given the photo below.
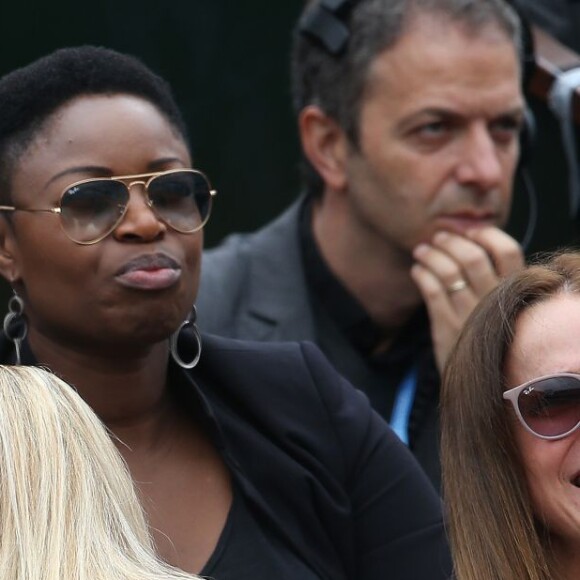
245, 545
338, 311
323, 489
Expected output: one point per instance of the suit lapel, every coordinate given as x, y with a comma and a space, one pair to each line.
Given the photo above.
277, 300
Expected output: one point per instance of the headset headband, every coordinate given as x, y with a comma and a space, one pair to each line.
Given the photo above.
325, 23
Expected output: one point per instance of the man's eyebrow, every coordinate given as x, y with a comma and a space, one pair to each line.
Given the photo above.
453, 115
410, 120
518, 111
444, 112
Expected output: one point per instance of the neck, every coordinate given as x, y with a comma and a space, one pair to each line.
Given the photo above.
128, 393
373, 270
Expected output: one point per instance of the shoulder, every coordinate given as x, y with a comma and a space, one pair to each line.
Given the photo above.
238, 249
292, 374
293, 389
246, 272
285, 365
323, 460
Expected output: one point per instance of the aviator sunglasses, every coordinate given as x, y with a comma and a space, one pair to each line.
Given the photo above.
548, 406
91, 209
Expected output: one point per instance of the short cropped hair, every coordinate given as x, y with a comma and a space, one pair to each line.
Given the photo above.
68, 508
336, 82
31, 94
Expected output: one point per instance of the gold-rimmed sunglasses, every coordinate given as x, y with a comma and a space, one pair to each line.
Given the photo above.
91, 209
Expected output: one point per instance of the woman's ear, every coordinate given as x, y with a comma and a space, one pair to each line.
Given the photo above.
9, 264
325, 145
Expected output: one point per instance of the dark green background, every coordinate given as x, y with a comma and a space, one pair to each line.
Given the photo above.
228, 64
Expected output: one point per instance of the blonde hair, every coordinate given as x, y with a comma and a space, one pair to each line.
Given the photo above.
494, 532
68, 509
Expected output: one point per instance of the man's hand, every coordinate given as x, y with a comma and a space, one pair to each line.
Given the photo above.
454, 272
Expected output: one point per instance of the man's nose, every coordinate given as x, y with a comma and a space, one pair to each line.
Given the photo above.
140, 222
479, 163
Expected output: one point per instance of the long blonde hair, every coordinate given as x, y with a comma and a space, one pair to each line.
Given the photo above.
68, 509
493, 531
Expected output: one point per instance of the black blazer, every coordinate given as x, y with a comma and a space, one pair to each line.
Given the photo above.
314, 461
320, 465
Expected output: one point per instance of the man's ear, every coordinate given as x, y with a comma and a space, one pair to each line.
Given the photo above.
9, 265
325, 145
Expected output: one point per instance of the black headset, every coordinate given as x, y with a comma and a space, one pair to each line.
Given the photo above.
528, 132
528, 66
326, 22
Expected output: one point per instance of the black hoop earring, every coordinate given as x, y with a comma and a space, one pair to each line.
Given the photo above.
174, 339
14, 325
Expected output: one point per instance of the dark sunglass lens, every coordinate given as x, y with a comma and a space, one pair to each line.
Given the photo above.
182, 199
91, 210
551, 406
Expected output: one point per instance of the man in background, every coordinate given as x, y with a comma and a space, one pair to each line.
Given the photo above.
409, 114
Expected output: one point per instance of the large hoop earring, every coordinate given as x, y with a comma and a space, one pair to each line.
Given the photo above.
14, 325
174, 339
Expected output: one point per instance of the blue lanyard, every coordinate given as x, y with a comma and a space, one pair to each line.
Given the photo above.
403, 404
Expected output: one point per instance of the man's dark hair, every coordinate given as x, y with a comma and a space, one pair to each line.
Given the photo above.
336, 82
31, 94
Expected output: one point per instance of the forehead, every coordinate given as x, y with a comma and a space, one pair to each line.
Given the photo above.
545, 340
438, 63
118, 134
89, 118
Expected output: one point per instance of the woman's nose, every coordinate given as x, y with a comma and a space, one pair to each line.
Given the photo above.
140, 223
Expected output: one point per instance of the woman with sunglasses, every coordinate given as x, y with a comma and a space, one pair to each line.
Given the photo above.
510, 430
259, 462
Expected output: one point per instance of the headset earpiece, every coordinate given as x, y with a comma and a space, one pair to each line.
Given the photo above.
528, 68
529, 131
527, 136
